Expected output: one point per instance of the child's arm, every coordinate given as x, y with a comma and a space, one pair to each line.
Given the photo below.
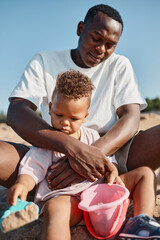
22, 186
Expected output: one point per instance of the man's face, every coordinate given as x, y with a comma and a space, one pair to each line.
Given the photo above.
97, 40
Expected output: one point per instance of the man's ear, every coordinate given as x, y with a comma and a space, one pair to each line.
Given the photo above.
80, 28
50, 105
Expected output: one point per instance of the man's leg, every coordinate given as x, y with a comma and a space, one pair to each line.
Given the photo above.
145, 149
10, 156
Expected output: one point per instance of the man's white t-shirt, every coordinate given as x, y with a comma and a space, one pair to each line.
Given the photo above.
114, 82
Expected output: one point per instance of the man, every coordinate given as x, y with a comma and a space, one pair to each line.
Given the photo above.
114, 111
98, 36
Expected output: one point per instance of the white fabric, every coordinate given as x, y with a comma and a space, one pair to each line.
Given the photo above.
37, 161
114, 80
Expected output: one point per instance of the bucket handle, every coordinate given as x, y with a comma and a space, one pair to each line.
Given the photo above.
121, 216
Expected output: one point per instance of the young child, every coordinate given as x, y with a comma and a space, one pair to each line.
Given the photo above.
68, 110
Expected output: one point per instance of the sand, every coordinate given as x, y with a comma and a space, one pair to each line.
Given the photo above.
149, 120
7, 134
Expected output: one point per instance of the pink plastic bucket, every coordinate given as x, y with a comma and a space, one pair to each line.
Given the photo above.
104, 209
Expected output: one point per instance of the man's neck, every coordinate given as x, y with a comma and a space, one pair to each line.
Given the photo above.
76, 57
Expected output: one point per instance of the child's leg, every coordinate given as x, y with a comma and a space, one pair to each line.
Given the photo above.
141, 183
59, 214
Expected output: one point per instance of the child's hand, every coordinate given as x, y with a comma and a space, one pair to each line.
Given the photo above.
112, 177
119, 181
116, 180
17, 190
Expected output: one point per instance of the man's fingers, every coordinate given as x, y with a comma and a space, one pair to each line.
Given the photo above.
87, 170
93, 176
95, 173
58, 170
101, 170
60, 161
69, 180
56, 182
110, 167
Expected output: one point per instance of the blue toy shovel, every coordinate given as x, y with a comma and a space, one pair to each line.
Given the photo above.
18, 215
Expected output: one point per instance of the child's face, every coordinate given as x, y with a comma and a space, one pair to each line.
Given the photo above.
67, 115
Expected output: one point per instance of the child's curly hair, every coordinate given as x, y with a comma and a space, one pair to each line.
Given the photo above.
73, 85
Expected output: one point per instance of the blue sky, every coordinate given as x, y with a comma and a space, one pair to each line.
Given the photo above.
31, 26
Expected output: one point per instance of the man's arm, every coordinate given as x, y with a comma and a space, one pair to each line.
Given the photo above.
122, 131
24, 120
86, 160
115, 138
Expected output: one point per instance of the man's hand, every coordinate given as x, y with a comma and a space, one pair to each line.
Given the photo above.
91, 163
87, 162
63, 175
17, 190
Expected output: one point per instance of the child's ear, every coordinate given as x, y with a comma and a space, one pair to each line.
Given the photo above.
87, 113
50, 106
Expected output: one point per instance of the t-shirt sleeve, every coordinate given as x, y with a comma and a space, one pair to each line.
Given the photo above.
35, 163
126, 87
32, 83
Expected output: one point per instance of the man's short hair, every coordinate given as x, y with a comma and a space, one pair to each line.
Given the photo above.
111, 12
73, 85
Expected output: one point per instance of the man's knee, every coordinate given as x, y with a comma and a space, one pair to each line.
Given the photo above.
10, 150
10, 156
